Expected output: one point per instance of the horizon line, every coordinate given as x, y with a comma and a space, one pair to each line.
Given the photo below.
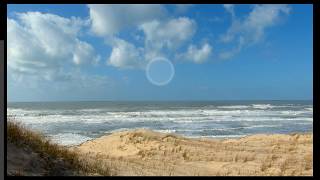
160, 100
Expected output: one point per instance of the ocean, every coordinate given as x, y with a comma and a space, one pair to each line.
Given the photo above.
71, 123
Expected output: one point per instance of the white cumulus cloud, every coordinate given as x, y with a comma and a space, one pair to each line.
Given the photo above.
84, 52
108, 20
161, 39
44, 44
197, 55
161, 35
125, 55
168, 35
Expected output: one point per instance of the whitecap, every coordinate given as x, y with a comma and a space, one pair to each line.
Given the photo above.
234, 107
165, 130
309, 109
262, 106
68, 139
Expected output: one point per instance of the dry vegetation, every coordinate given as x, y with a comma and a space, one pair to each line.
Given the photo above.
144, 152
46, 157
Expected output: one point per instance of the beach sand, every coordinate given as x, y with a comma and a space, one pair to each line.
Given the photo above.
145, 152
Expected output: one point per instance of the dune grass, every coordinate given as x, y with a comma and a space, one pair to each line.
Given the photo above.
162, 154
24, 137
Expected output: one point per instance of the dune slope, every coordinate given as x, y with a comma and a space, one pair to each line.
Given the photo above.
144, 152
30, 153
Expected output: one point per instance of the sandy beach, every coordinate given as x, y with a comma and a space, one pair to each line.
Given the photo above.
145, 152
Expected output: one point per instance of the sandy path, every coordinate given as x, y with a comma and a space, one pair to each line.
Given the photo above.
144, 152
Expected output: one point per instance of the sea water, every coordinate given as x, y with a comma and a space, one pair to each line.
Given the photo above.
71, 123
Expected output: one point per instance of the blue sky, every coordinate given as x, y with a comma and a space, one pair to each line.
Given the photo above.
101, 52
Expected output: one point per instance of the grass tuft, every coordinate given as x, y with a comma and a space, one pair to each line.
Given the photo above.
23, 137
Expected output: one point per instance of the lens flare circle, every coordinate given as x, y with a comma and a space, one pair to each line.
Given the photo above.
160, 67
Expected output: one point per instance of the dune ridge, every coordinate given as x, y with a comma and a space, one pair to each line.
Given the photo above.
145, 152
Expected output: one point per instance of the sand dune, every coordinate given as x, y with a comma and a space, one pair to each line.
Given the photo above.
144, 152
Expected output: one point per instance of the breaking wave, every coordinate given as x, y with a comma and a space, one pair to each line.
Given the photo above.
73, 126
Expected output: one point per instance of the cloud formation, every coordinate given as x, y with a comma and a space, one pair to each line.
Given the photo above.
230, 9
197, 55
251, 29
169, 34
48, 44
161, 36
108, 20
46, 49
125, 55
44, 44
